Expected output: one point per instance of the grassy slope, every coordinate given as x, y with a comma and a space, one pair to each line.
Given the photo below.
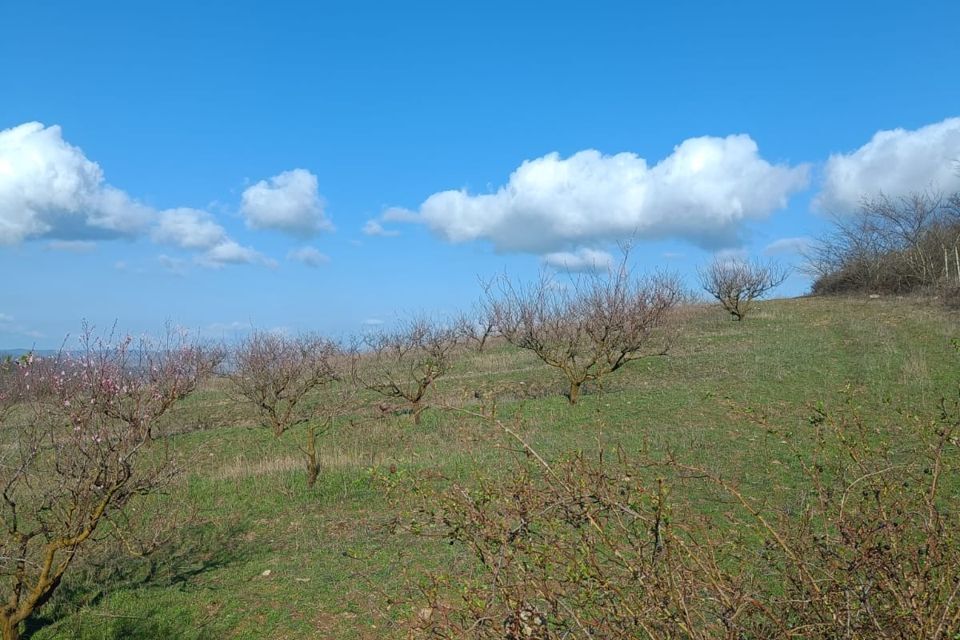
334, 561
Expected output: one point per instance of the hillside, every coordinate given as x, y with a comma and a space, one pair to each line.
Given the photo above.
259, 555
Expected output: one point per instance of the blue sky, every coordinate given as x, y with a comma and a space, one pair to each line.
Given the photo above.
216, 164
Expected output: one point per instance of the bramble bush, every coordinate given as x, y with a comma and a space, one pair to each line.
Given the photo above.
626, 547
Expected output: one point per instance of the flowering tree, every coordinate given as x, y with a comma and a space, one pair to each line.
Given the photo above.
74, 429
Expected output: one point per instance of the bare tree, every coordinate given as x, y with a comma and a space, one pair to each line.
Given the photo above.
275, 374
736, 284
591, 327
405, 363
891, 245
476, 328
73, 454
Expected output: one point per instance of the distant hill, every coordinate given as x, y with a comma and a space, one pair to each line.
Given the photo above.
16, 353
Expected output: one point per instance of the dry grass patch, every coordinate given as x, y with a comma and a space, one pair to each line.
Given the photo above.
244, 467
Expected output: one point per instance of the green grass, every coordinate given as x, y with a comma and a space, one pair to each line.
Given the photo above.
337, 565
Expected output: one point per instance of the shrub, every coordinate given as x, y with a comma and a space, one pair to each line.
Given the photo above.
594, 548
891, 245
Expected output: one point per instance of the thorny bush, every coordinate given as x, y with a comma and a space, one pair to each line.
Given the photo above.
867, 546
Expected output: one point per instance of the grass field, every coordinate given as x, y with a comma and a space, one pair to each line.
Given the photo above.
262, 556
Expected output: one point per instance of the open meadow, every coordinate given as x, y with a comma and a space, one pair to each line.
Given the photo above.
253, 552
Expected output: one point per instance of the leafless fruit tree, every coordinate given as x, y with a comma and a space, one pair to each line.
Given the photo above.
736, 284
477, 328
276, 374
404, 364
79, 443
591, 327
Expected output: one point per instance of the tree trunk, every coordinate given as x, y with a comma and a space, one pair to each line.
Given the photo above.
9, 630
574, 394
313, 467
417, 411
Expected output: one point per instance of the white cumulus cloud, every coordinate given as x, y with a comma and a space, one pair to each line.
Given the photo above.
188, 229
310, 256
197, 230
49, 188
288, 202
582, 260
894, 162
702, 192
231, 252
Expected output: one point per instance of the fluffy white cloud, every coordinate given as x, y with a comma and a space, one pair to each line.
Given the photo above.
197, 230
288, 202
188, 229
581, 260
230, 252
309, 256
787, 245
374, 228
895, 162
702, 192
49, 188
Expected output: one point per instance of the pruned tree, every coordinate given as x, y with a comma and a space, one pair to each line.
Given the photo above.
404, 364
736, 284
75, 436
591, 327
275, 374
476, 328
